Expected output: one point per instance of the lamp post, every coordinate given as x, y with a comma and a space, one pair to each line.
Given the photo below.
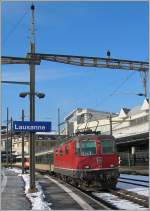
22, 144
110, 120
11, 156
32, 95
59, 121
8, 145
7, 139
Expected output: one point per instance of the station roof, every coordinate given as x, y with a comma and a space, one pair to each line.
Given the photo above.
132, 138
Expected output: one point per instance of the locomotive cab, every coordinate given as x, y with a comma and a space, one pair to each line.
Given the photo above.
98, 159
88, 159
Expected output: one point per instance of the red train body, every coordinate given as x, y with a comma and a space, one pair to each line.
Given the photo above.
89, 159
26, 164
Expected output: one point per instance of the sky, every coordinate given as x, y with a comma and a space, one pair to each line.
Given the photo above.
74, 28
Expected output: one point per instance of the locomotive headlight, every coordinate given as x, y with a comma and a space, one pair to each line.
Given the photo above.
112, 165
87, 167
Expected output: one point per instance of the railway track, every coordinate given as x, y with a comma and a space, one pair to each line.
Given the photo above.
132, 181
106, 203
131, 196
96, 202
99, 202
123, 194
80, 195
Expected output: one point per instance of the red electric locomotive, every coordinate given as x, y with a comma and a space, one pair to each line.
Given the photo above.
88, 159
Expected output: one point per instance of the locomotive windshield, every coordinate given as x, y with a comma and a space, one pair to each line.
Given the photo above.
108, 146
86, 147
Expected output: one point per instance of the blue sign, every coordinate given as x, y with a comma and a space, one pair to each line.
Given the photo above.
24, 126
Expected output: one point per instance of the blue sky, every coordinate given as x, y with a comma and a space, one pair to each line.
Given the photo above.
74, 28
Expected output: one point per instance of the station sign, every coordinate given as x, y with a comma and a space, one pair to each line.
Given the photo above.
29, 126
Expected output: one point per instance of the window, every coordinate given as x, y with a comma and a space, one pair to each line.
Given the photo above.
80, 119
77, 148
108, 146
86, 147
138, 121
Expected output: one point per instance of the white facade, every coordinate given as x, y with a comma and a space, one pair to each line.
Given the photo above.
127, 122
17, 145
81, 119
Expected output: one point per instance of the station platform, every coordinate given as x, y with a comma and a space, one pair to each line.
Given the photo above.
12, 192
138, 170
56, 196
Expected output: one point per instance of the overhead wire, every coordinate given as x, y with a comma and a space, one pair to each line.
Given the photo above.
15, 27
118, 87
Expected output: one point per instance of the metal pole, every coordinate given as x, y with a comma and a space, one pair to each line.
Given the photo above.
32, 110
129, 162
144, 81
7, 141
11, 156
110, 120
58, 121
22, 144
68, 132
145, 90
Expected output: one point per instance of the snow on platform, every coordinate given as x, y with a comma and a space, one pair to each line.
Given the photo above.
37, 198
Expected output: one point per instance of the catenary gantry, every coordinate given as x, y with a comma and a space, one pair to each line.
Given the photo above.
79, 61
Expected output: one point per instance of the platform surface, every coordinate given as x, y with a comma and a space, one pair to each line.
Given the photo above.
13, 196
56, 196
13, 193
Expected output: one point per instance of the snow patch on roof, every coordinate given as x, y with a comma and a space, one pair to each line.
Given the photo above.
124, 112
145, 105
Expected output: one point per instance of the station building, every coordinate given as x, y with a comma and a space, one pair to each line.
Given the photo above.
130, 127
44, 144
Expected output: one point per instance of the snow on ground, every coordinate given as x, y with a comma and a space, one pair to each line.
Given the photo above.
133, 181
139, 177
134, 188
120, 203
38, 203
37, 198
